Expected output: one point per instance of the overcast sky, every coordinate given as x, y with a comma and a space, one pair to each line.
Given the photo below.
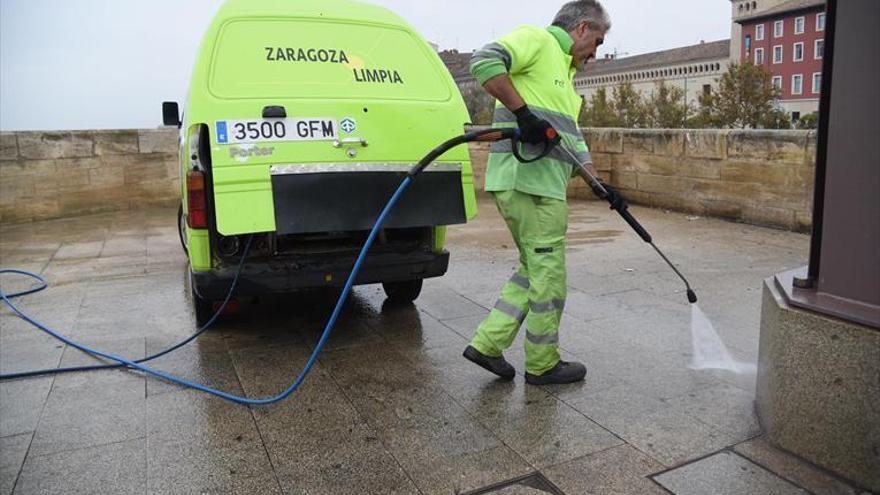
108, 64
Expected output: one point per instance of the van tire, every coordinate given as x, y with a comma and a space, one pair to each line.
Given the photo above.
403, 292
181, 229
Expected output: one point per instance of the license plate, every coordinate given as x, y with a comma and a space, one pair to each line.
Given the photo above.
258, 131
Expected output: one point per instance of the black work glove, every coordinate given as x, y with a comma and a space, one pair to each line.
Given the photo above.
532, 129
612, 196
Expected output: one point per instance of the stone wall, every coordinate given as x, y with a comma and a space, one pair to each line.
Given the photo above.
66, 173
760, 177
753, 176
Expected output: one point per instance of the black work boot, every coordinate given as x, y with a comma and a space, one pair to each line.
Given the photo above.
497, 365
563, 372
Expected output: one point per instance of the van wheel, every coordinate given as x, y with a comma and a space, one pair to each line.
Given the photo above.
403, 292
181, 229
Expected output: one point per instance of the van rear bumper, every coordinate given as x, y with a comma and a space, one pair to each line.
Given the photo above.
274, 276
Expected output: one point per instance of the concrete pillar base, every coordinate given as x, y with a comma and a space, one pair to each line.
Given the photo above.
818, 393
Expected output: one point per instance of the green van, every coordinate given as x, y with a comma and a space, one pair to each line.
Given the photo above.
301, 120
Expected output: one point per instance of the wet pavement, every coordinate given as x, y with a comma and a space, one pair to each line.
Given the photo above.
391, 406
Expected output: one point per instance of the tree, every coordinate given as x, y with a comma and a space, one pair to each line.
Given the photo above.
629, 106
667, 108
744, 98
598, 112
809, 121
776, 119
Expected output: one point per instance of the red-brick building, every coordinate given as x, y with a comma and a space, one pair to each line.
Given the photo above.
788, 38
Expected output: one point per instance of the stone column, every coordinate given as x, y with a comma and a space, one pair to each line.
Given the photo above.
818, 390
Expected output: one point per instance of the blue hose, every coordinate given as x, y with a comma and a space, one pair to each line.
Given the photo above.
58, 371
136, 365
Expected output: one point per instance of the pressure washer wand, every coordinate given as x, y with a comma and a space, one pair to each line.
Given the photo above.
597, 186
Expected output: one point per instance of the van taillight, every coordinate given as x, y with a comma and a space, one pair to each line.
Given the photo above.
197, 201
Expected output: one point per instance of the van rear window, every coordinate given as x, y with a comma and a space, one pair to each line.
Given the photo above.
308, 58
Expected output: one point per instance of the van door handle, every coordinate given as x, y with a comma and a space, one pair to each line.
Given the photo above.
337, 143
274, 112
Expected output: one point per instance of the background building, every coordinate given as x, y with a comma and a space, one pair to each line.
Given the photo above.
787, 38
459, 64
741, 9
694, 68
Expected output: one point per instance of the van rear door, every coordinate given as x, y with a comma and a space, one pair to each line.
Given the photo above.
319, 91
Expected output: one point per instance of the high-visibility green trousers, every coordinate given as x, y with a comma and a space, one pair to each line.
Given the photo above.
536, 292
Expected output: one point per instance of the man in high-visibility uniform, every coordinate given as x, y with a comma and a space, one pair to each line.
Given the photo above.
530, 72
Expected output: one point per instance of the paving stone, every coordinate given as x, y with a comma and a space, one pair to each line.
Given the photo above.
246, 334
14, 283
197, 363
120, 467
12, 453
76, 419
533, 484
77, 250
57, 306
653, 373
722, 406
470, 385
436, 441
408, 330
725, 473
402, 403
587, 308
319, 403
436, 472
466, 326
518, 490
652, 426
183, 467
21, 404
71, 271
112, 324
743, 381
547, 432
30, 355
347, 333
667, 330
445, 304
478, 276
620, 470
338, 462
95, 381
119, 245
203, 444
588, 282
787, 466
194, 417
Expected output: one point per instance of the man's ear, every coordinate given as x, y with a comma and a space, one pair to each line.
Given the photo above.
583, 29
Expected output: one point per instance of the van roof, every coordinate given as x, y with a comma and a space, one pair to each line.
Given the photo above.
335, 9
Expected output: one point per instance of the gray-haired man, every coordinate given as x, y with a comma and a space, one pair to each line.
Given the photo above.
530, 73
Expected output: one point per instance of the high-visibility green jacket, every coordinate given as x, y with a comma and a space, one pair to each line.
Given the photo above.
539, 64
